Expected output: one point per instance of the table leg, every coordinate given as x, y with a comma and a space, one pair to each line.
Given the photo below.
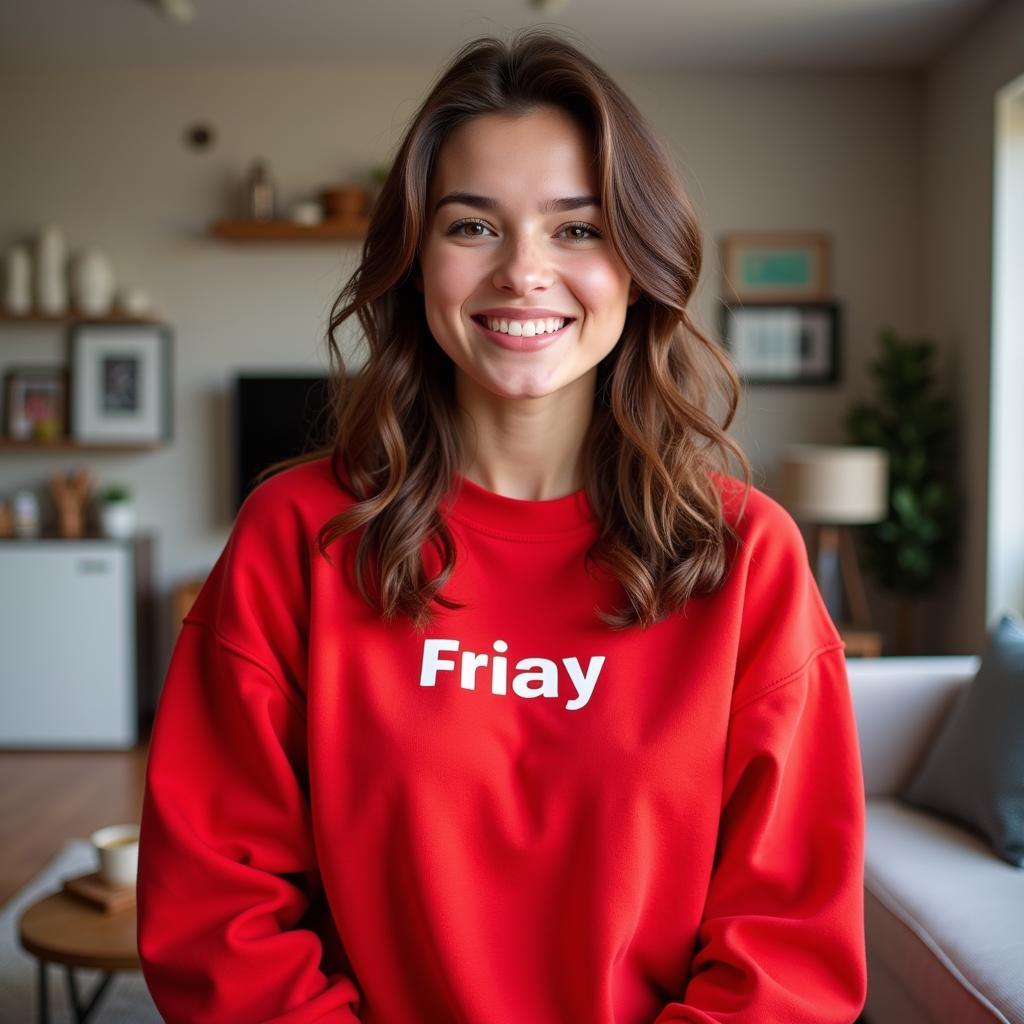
82, 1013
44, 994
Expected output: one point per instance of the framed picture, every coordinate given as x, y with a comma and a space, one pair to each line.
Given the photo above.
120, 382
36, 401
775, 267
784, 344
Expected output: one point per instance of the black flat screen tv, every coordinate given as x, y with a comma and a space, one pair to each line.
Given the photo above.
276, 416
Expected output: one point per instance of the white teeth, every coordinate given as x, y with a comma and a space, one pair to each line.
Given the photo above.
525, 328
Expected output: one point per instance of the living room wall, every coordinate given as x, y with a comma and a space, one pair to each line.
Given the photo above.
959, 119
102, 154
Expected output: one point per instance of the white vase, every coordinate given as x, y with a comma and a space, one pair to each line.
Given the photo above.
51, 282
92, 283
117, 518
18, 281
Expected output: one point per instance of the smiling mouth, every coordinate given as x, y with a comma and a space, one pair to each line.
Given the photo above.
523, 342
483, 321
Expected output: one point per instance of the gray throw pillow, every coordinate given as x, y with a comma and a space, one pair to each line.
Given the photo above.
974, 768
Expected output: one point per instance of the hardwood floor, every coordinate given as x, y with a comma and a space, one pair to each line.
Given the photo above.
49, 797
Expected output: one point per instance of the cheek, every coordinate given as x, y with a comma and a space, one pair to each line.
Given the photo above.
599, 283
448, 278
447, 284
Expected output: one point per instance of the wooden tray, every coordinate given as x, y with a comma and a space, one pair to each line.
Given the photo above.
92, 888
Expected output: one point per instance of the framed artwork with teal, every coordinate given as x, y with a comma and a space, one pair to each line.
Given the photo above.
775, 266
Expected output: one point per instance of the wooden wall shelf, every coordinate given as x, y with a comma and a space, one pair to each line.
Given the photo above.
8, 444
287, 231
76, 318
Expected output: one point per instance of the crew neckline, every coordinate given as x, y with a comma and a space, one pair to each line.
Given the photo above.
476, 506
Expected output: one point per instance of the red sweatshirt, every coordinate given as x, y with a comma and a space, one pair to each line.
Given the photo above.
518, 817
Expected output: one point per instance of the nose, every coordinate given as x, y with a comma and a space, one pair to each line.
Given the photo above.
523, 266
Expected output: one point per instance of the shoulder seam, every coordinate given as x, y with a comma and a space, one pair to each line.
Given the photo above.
241, 652
789, 677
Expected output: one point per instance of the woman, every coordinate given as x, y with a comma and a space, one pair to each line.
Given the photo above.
511, 705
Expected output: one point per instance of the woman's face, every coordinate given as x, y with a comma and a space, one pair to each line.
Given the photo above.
494, 256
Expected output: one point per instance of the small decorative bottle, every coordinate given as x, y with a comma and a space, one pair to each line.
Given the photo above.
26, 514
18, 287
259, 192
51, 282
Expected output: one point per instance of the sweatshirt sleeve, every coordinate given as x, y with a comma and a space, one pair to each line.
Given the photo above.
233, 925
782, 934
227, 867
781, 937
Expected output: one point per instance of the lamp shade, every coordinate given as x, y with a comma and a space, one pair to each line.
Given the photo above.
835, 484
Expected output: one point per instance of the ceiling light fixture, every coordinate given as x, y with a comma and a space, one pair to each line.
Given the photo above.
549, 6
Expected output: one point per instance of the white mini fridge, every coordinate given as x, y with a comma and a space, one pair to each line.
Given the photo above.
74, 642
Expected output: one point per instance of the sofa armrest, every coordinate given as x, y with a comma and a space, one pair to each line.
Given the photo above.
899, 704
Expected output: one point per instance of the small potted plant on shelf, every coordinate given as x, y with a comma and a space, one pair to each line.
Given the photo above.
117, 511
378, 175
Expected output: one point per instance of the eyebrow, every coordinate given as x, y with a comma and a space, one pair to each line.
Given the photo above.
549, 206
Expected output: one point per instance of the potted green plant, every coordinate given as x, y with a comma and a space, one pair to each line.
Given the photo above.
117, 511
917, 542
378, 175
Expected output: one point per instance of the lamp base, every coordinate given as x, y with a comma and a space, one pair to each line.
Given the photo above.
837, 574
860, 643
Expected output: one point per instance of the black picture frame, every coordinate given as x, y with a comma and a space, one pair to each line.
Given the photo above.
121, 383
787, 343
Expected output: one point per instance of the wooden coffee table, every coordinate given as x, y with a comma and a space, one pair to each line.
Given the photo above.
63, 929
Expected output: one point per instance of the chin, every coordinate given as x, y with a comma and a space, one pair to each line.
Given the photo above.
521, 389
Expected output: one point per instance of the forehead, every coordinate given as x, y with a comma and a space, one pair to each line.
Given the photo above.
499, 155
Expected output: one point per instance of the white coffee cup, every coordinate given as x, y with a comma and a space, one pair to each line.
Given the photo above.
118, 848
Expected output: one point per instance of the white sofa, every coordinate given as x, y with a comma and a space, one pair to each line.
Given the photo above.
944, 915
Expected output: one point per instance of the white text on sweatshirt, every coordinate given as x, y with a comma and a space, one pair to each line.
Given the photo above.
535, 677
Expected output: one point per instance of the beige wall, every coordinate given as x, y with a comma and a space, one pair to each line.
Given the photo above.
101, 154
960, 90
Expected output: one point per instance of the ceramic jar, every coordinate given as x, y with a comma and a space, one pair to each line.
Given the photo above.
345, 202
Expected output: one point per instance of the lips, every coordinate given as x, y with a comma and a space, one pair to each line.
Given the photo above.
522, 313
521, 343
482, 318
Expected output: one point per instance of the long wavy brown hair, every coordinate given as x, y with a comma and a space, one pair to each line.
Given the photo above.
653, 446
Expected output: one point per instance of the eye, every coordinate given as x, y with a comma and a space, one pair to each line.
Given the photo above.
459, 224
580, 226
591, 231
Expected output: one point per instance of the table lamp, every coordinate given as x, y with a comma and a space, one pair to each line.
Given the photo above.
832, 487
